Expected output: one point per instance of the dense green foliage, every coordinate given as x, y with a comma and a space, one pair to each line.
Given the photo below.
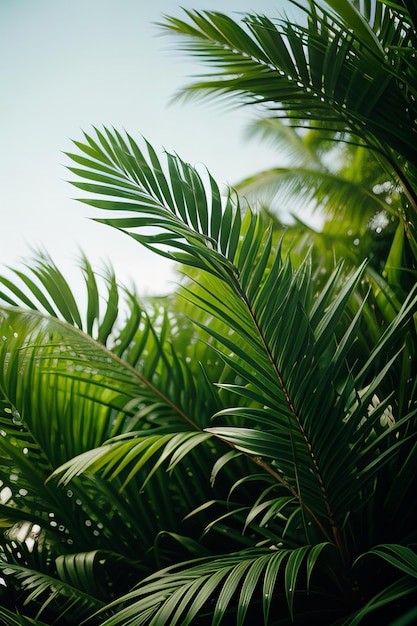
243, 451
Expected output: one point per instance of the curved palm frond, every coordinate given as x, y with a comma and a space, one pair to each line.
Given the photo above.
41, 286
401, 592
47, 591
12, 619
326, 189
326, 178
360, 80
177, 596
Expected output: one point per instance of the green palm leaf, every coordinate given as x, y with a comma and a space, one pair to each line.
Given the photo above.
336, 69
127, 457
12, 619
44, 591
401, 557
404, 588
227, 580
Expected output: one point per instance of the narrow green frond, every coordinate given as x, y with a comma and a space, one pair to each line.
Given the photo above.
43, 590
186, 592
400, 589
125, 459
12, 619
336, 69
398, 556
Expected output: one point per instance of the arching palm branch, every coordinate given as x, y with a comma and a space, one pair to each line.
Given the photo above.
356, 207
354, 73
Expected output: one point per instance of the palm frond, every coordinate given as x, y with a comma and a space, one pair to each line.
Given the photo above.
127, 456
401, 557
13, 619
177, 596
400, 590
45, 591
340, 72
41, 286
316, 189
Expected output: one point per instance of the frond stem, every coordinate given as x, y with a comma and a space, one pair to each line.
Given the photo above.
135, 373
259, 461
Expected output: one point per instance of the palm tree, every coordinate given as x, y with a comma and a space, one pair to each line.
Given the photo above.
247, 453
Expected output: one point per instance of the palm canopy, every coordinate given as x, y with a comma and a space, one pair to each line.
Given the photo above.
249, 452
294, 398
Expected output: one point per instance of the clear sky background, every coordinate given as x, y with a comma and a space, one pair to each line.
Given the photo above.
68, 65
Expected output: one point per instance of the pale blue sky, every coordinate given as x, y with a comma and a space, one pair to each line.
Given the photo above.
67, 65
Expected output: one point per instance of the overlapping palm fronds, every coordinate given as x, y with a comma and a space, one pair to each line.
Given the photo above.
302, 396
65, 393
248, 453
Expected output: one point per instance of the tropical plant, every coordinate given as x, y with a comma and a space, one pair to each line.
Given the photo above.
244, 454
